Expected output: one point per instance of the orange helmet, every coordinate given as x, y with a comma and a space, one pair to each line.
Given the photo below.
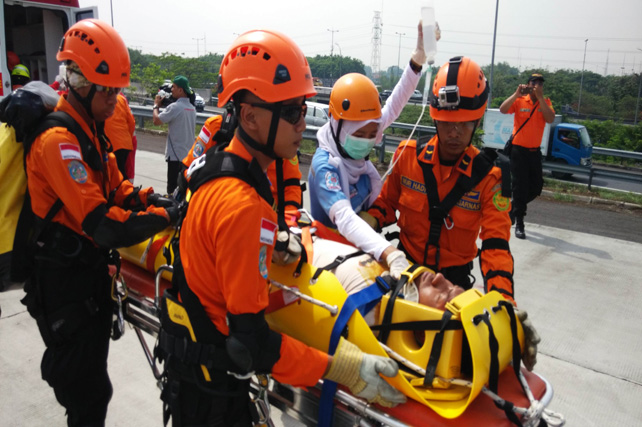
460, 91
98, 50
354, 97
268, 64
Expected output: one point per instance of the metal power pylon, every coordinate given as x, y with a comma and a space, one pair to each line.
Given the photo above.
375, 60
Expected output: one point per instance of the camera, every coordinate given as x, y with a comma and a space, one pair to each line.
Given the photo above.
165, 92
526, 90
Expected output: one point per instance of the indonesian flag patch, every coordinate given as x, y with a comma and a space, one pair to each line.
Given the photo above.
69, 151
268, 228
205, 135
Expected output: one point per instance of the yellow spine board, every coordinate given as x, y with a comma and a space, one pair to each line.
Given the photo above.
142, 253
312, 324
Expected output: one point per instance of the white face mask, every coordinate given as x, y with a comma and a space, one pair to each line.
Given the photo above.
358, 148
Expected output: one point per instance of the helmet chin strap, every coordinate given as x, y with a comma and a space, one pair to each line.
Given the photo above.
338, 141
267, 149
85, 101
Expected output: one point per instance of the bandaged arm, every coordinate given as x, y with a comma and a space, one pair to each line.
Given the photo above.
357, 230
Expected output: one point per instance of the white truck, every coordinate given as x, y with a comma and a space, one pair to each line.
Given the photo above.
561, 142
33, 30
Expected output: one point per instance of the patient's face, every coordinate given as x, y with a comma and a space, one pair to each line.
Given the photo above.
435, 290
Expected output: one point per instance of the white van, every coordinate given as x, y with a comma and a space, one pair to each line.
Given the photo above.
33, 30
317, 115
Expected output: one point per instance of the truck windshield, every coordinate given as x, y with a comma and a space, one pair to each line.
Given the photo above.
585, 138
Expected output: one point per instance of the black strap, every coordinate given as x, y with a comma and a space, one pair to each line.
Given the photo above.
387, 315
439, 209
435, 351
420, 325
334, 264
220, 163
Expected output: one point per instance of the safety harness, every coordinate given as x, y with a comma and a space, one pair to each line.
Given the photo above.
189, 343
440, 209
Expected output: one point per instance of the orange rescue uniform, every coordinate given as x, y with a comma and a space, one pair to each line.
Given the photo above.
120, 127
226, 246
481, 208
56, 169
531, 134
291, 171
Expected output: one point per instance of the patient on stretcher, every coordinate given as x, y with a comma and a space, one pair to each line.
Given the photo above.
359, 272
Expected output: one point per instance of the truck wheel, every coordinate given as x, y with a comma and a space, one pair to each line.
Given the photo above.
561, 175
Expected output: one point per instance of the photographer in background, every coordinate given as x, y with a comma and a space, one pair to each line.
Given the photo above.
181, 117
532, 112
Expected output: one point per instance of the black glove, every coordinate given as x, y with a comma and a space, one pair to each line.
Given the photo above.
173, 214
160, 201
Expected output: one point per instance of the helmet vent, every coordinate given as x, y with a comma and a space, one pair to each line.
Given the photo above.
281, 75
345, 104
266, 56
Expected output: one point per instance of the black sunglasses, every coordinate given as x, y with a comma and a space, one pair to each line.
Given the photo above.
290, 113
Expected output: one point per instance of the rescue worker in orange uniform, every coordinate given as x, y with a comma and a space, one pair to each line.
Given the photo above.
69, 293
291, 172
425, 178
228, 239
120, 129
532, 112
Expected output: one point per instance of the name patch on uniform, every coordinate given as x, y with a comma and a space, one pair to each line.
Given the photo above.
268, 228
332, 181
69, 151
470, 201
263, 269
198, 149
205, 135
413, 185
77, 171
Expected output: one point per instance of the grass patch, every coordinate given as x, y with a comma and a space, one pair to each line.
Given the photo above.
561, 188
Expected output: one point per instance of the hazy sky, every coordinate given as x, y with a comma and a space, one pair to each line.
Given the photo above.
544, 33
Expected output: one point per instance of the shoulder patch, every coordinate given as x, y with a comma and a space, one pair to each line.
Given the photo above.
205, 135
69, 151
501, 203
77, 171
268, 230
198, 149
263, 268
332, 181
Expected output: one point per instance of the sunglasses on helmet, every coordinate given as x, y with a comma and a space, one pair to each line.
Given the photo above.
290, 113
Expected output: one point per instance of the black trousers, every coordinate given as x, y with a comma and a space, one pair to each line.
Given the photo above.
526, 169
72, 306
193, 406
173, 169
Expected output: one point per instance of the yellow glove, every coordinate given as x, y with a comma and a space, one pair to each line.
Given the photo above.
370, 220
360, 373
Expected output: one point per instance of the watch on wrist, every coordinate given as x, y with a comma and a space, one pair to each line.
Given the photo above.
156, 107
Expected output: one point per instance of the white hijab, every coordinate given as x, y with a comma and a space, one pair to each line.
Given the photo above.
350, 170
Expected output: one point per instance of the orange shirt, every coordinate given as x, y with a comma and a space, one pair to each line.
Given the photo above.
226, 246
291, 171
531, 134
56, 169
481, 212
120, 127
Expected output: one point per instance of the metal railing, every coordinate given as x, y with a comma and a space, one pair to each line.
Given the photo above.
391, 141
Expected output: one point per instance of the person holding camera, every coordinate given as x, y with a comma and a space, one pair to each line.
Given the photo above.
532, 112
181, 117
